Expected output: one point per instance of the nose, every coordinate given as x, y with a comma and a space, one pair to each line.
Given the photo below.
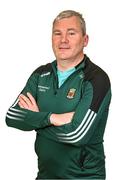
64, 38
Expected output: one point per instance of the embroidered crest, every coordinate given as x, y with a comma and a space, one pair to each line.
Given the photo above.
71, 93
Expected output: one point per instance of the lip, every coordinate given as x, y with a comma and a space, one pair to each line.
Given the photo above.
64, 47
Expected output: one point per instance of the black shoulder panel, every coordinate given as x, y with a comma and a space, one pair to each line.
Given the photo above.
43, 69
100, 83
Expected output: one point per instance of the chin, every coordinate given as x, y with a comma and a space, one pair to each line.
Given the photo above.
64, 58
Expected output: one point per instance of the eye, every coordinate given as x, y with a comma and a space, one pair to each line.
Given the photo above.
57, 33
71, 33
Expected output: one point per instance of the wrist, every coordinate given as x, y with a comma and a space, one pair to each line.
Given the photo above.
51, 118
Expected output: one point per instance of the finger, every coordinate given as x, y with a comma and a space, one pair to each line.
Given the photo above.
20, 105
31, 98
25, 99
23, 103
33, 101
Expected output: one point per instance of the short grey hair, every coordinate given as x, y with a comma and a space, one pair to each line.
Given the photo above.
70, 13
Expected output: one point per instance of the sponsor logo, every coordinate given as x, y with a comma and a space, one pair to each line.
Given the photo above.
43, 88
71, 93
45, 74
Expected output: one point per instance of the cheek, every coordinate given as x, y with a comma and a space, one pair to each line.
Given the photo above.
80, 43
55, 43
77, 44
55, 46
55, 40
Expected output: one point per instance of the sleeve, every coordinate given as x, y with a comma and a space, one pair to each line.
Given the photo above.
25, 119
91, 113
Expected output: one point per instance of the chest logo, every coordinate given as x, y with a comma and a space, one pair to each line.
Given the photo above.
71, 93
43, 88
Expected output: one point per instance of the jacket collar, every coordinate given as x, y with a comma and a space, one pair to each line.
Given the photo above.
78, 67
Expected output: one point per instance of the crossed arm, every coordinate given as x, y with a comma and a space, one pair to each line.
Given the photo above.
28, 102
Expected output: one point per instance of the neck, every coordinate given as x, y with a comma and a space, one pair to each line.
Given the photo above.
66, 64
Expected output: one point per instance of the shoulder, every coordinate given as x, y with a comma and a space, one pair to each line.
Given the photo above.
40, 71
43, 69
100, 83
96, 75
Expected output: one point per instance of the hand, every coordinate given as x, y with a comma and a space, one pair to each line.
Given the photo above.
28, 102
61, 119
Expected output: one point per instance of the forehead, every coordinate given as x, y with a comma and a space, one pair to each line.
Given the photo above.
67, 23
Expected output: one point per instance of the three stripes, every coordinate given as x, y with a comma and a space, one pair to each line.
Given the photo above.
81, 130
71, 137
15, 114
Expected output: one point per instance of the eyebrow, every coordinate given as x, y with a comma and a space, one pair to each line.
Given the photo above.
69, 29
72, 29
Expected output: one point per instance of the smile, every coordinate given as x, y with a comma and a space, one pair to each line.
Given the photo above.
64, 48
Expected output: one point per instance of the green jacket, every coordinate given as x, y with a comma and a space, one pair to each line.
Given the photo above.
74, 150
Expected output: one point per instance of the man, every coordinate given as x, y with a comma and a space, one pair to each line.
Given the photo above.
66, 102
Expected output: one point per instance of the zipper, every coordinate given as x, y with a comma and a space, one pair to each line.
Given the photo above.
55, 83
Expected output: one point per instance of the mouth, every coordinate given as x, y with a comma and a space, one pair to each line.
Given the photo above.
64, 48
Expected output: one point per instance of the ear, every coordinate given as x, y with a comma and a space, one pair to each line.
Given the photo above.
86, 40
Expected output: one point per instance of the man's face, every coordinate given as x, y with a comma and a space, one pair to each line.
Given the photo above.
68, 40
